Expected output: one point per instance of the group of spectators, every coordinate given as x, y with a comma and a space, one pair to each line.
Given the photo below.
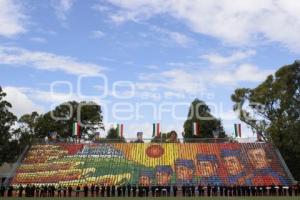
145, 191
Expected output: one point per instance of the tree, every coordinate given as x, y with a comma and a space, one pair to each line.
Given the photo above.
29, 122
8, 145
272, 110
208, 124
61, 119
113, 136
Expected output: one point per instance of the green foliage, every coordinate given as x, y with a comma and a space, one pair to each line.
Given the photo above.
8, 145
113, 136
200, 112
272, 110
62, 118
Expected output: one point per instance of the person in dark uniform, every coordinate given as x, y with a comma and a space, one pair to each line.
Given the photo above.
296, 190
113, 190
134, 190
230, 188
37, 191
215, 190
42, 190
32, 191
208, 190
59, 189
2, 191
168, 187
52, 189
140, 191
92, 190
124, 190
77, 190
280, 190
200, 187
26, 190
129, 190
253, 191
20, 191
65, 190
234, 190
248, 190
147, 189
160, 188
102, 192
290, 190
243, 190
10, 191
45, 191
119, 191
239, 190
175, 190
70, 191
108, 190
221, 190
153, 190
85, 190
97, 188
224, 190
183, 188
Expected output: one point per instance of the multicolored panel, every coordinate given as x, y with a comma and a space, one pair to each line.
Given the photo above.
152, 164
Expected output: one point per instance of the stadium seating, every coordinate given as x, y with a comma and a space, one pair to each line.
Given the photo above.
152, 164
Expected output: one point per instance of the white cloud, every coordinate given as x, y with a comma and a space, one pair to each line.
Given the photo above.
179, 38
97, 34
238, 23
21, 102
12, 18
62, 8
193, 81
46, 61
175, 80
218, 59
38, 39
243, 73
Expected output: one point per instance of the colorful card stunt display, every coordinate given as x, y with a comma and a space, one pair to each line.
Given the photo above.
152, 164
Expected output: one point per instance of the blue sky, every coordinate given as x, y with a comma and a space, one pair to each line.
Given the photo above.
158, 55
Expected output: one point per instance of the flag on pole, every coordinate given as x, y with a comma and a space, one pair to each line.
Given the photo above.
156, 130
120, 130
76, 129
237, 130
196, 128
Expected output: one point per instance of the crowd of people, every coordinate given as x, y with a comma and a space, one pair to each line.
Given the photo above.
145, 191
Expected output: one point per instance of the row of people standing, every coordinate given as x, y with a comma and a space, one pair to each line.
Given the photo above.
144, 191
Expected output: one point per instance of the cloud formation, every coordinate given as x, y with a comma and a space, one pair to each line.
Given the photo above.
12, 18
15, 56
239, 23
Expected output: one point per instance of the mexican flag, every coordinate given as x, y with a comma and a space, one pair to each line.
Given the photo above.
237, 130
156, 130
76, 129
120, 130
196, 128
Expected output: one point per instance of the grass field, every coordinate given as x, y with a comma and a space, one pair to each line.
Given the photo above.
164, 198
